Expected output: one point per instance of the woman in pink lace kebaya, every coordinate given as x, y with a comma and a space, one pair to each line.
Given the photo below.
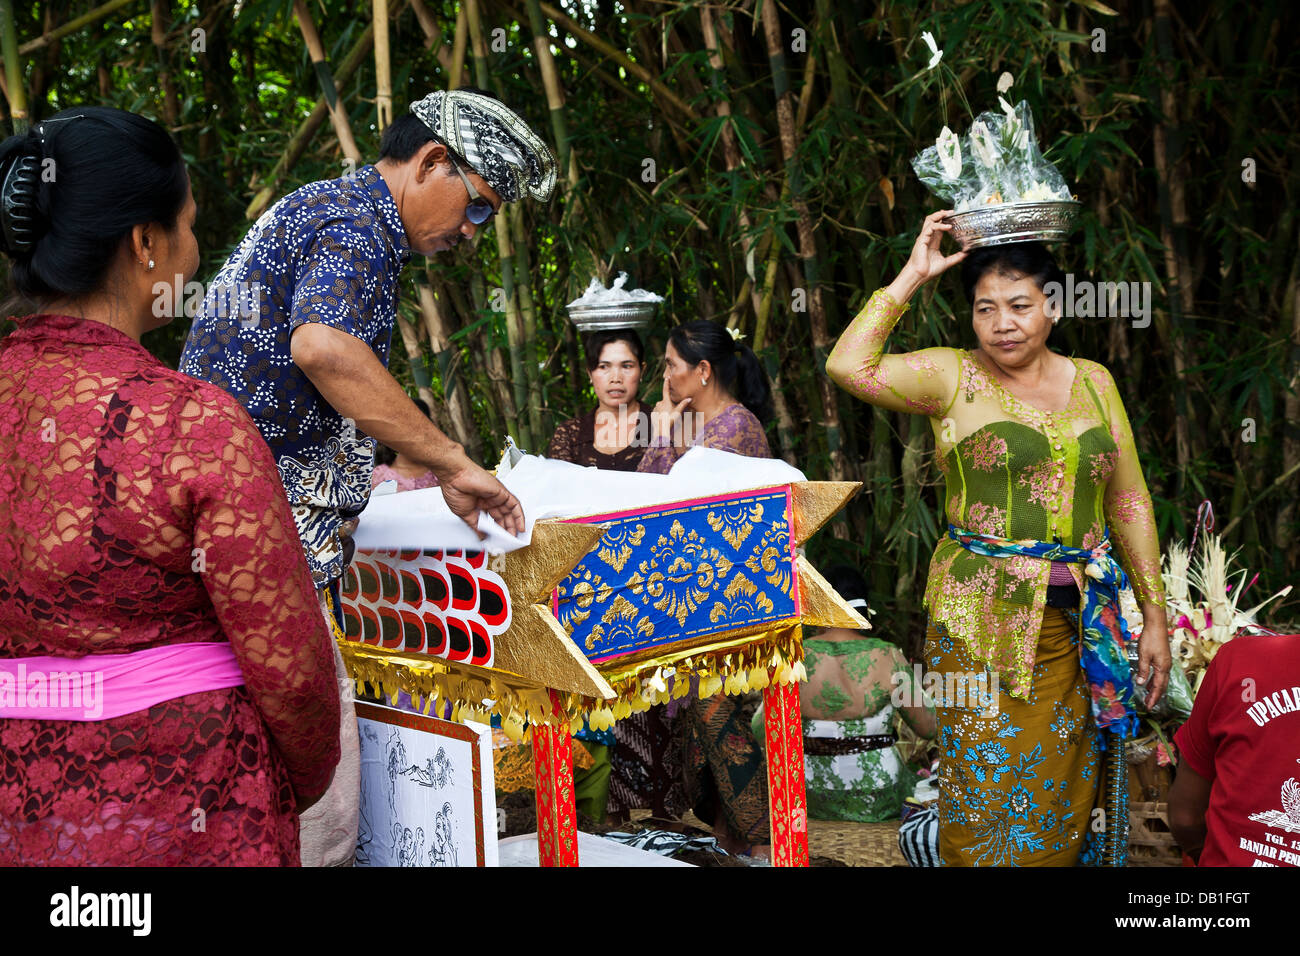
166, 683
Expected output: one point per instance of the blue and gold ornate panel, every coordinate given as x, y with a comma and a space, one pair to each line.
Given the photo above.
680, 572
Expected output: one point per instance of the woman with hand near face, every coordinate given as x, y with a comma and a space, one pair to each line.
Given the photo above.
1042, 482
716, 396
606, 437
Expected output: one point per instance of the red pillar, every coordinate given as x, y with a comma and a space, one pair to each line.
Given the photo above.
786, 797
557, 820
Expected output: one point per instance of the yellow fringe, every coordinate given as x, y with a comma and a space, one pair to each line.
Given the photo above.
774, 657
761, 660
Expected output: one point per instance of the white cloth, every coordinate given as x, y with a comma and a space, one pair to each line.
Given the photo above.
847, 768
559, 489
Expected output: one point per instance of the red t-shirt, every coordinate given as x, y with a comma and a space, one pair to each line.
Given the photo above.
1244, 736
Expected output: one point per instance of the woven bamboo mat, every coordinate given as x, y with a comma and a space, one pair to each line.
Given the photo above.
855, 844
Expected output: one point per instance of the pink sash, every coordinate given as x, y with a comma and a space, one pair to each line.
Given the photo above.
104, 686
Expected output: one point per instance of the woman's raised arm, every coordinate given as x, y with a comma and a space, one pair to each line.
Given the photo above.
921, 382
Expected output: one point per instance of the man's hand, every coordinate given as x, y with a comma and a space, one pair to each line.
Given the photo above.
471, 490
349, 376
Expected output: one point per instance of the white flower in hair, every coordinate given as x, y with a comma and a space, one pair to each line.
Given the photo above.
935, 53
736, 334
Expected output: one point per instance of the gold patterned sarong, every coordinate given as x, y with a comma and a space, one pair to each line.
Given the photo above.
1019, 780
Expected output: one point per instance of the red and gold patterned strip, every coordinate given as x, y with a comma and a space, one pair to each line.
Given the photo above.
557, 820
787, 799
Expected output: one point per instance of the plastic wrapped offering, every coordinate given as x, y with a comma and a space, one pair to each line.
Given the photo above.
996, 162
613, 308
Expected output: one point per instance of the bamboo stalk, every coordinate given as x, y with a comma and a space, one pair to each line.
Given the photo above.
551, 83
433, 40
1290, 437
496, 362
515, 283
338, 116
455, 392
769, 284
573, 219
731, 156
1278, 482
456, 75
14, 86
161, 15
621, 58
44, 67
432, 35
528, 316
383, 66
807, 244
72, 26
1171, 177
298, 142
419, 371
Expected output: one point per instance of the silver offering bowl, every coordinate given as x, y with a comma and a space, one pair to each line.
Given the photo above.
1014, 222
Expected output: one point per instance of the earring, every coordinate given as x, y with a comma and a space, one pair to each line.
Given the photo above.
151, 264
704, 381
1055, 320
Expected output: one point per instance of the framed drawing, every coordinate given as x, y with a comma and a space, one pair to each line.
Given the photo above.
427, 795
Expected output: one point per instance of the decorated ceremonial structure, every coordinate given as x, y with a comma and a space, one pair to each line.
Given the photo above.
599, 616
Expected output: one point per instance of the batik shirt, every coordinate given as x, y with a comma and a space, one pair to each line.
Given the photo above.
330, 252
1015, 471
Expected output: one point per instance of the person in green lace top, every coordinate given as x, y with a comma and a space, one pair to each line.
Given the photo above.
1036, 449
851, 766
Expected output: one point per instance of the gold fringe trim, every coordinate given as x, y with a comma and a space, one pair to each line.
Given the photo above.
735, 665
732, 666
474, 693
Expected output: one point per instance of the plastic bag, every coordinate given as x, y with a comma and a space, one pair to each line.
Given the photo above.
997, 161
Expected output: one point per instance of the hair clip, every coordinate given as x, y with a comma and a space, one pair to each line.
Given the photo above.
17, 205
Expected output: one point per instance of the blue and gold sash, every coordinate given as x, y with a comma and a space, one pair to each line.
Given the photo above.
1105, 633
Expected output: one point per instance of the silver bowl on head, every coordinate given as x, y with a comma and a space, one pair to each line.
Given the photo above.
628, 315
1014, 222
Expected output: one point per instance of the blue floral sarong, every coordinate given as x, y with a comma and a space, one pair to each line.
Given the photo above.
1105, 635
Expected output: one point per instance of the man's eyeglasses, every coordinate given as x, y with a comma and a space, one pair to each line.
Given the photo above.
479, 209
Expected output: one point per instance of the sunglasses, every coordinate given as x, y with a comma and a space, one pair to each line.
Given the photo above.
479, 209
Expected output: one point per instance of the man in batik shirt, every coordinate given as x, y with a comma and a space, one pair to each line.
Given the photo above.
297, 325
